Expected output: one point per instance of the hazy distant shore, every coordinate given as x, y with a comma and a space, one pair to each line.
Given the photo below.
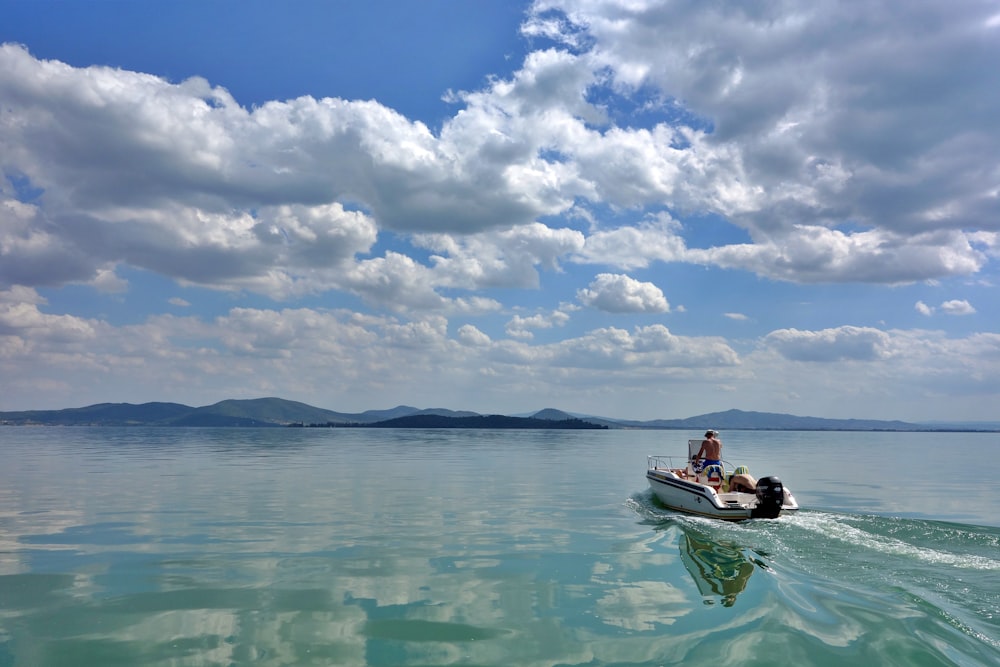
277, 412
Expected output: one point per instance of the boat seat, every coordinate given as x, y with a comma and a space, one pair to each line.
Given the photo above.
714, 476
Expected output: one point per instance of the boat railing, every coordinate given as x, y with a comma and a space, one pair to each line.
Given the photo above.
665, 462
658, 462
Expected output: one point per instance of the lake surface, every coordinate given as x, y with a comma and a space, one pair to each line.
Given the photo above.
175, 547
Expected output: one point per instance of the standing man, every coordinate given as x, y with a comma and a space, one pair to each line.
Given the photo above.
711, 449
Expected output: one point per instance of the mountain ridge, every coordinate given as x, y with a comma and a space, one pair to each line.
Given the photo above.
275, 412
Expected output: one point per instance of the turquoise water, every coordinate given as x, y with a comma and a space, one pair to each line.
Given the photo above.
379, 547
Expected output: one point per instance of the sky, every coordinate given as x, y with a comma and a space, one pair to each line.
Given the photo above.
635, 209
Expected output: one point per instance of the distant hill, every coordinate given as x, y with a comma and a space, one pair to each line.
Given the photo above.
552, 414
253, 412
248, 412
371, 416
269, 411
556, 415
482, 421
281, 412
741, 420
101, 413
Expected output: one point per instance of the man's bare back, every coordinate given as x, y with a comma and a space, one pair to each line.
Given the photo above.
711, 448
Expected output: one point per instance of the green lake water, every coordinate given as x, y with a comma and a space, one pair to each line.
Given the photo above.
174, 547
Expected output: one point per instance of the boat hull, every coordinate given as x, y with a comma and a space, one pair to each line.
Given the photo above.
700, 499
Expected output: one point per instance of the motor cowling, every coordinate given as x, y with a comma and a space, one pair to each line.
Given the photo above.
770, 497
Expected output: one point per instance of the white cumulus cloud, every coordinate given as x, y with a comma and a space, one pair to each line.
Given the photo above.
617, 293
838, 344
957, 307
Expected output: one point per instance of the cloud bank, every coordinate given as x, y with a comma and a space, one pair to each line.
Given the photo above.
836, 144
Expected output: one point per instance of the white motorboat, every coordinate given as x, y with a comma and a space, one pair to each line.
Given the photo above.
717, 491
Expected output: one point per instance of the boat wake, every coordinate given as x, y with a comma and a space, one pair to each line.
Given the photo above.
925, 541
932, 578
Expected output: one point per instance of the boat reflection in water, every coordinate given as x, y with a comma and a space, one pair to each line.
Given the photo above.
719, 568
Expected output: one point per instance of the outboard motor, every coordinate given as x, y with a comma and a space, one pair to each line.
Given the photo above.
770, 497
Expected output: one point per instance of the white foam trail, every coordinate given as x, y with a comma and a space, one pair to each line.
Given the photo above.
833, 526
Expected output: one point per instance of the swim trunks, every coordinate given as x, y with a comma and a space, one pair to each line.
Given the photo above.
704, 463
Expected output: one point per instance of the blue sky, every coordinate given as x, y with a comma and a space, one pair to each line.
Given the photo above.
638, 210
